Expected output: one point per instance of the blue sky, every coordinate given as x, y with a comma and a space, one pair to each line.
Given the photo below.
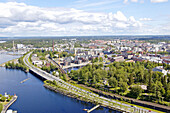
84, 17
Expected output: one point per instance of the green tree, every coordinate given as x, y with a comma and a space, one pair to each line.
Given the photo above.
150, 85
101, 59
94, 79
113, 82
136, 91
64, 77
3, 98
131, 81
105, 56
123, 86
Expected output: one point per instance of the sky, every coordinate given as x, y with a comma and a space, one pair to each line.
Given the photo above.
84, 17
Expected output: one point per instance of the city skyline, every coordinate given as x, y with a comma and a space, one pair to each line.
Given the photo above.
84, 17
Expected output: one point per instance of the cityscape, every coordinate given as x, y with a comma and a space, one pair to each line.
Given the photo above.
83, 56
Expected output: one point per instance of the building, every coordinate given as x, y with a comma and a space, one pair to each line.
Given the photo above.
160, 69
37, 62
167, 61
19, 46
130, 61
118, 59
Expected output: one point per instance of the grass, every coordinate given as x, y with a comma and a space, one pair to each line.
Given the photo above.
80, 87
1, 107
114, 88
140, 106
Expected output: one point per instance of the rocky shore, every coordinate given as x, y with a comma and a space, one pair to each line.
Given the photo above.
83, 98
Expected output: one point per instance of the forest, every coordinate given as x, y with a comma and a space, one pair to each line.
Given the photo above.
125, 79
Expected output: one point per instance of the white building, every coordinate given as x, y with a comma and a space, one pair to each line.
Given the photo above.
160, 69
19, 46
37, 62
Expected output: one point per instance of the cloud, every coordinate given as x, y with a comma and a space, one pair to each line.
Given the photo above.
126, 1
134, 0
158, 1
20, 19
145, 19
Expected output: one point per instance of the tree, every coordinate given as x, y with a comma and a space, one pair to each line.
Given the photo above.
101, 59
51, 55
64, 77
3, 98
113, 82
54, 82
168, 95
136, 91
94, 79
159, 90
150, 85
123, 86
131, 81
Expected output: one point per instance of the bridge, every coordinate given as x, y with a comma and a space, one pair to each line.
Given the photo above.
58, 65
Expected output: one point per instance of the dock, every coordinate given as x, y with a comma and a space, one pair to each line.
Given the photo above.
5, 107
24, 80
90, 110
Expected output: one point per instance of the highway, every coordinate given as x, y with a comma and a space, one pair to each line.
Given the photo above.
105, 101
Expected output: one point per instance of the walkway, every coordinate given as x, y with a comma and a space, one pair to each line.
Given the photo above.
90, 110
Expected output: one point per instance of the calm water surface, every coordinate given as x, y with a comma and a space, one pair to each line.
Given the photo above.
33, 97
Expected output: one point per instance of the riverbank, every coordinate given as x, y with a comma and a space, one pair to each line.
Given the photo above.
16, 64
34, 97
85, 99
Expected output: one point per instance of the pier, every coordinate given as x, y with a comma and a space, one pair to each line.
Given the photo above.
24, 80
95, 107
5, 107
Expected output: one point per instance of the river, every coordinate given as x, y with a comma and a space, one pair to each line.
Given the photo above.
34, 98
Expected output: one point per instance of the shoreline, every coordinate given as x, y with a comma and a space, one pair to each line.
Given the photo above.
81, 98
5, 107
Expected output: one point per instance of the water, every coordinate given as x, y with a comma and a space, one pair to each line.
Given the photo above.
6, 57
34, 98
72, 68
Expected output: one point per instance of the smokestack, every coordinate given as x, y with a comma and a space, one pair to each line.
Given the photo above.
53, 45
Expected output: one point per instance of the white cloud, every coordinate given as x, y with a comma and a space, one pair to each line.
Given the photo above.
158, 1
145, 19
125, 1
134, 0
119, 16
21, 19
